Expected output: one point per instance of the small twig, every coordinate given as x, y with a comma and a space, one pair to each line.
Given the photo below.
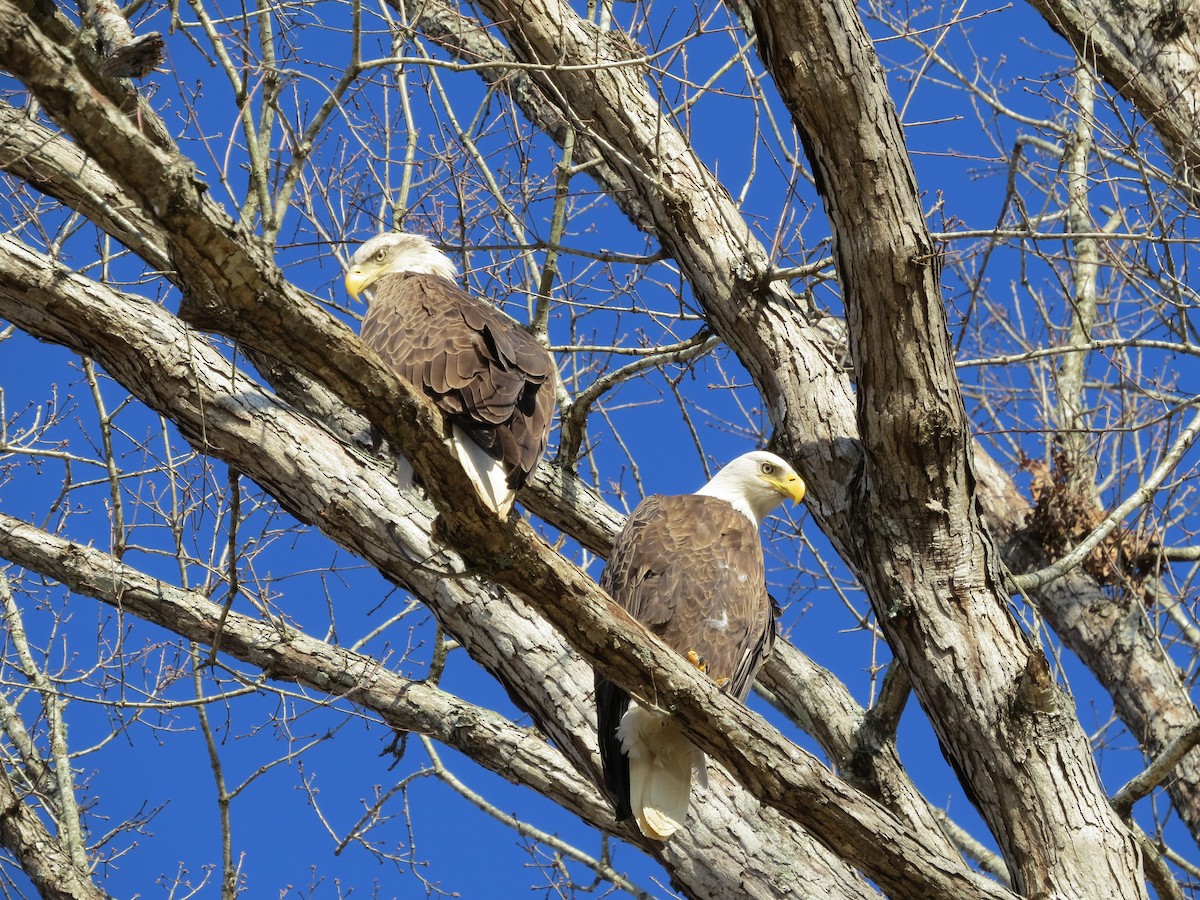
66, 812
881, 719
562, 194
806, 271
992, 863
571, 425
235, 515
110, 460
228, 872
1033, 580
441, 649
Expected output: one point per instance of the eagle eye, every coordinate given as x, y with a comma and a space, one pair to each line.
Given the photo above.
381, 254
767, 468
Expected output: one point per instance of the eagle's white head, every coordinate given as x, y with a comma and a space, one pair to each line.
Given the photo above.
396, 253
755, 483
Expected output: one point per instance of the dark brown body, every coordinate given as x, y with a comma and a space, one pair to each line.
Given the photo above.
486, 373
689, 568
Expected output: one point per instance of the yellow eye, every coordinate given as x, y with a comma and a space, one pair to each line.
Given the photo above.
767, 468
381, 255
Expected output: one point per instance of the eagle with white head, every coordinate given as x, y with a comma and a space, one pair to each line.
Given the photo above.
689, 568
491, 379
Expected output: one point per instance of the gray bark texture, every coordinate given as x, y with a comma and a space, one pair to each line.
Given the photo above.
934, 574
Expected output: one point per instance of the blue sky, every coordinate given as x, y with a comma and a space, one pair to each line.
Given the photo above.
277, 817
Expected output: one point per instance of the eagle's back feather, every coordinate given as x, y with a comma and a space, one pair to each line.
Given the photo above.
489, 376
689, 568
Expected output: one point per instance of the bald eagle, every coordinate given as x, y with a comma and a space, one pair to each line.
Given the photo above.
689, 568
492, 381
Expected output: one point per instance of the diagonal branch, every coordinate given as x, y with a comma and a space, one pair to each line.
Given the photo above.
1143, 495
353, 499
229, 423
1158, 772
41, 857
519, 755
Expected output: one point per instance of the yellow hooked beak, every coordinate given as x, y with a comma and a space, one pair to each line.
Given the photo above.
789, 484
358, 279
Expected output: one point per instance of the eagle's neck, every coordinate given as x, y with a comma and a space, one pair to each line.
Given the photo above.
750, 500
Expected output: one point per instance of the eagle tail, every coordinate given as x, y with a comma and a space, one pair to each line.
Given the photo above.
405, 478
661, 759
486, 473
611, 706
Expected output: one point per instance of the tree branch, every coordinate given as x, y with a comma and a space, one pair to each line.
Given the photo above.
1156, 773
40, 855
1144, 493
352, 498
1148, 52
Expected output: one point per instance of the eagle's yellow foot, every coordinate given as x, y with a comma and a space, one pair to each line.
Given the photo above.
697, 660
721, 682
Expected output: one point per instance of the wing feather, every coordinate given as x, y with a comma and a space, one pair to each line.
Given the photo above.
485, 372
689, 568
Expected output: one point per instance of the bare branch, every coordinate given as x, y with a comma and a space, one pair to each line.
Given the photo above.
1157, 772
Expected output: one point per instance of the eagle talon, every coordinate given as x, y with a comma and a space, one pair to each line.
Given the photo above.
697, 660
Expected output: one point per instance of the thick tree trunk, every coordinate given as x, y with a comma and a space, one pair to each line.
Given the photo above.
933, 575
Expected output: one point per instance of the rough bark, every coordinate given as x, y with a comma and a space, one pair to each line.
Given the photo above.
865, 755
1113, 635
47, 864
933, 574
125, 54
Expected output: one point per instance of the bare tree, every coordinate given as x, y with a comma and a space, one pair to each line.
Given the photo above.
982, 359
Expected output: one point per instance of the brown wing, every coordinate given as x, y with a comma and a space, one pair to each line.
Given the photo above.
484, 372
689, 568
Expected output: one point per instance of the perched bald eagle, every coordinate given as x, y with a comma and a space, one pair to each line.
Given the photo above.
689, 568
492, 381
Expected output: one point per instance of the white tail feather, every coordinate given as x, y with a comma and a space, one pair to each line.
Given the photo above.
661, 760
404, 472
485, 472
